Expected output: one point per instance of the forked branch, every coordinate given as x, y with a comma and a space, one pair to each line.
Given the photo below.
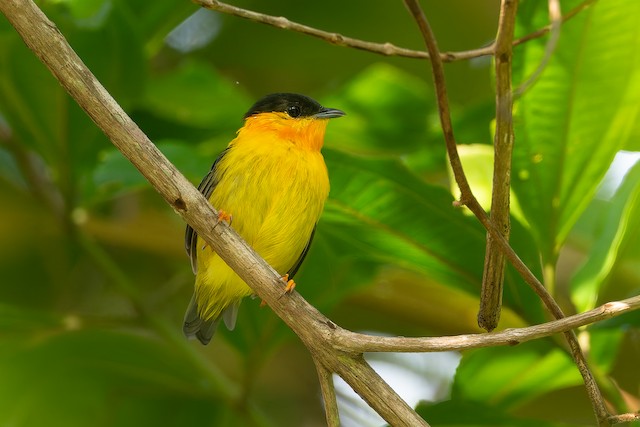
467, 198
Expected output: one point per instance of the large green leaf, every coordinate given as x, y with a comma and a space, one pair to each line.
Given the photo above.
578, 114
93, 377
618, 226
394, 217
379, 213
511, 376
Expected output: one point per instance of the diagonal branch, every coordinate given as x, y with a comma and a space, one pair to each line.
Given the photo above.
43, 38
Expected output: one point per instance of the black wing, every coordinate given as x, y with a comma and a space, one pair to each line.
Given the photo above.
292, 272
206, 188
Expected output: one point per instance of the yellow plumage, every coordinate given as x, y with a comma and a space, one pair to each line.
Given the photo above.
273, 180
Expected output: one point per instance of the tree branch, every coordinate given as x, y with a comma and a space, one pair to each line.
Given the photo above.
361, 343
325, 377
387, 49
493, 272
467, 198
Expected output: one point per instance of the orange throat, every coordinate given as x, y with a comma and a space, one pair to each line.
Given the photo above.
305, 133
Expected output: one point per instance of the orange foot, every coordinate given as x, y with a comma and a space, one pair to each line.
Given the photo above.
290, 284
222, 216
226, 217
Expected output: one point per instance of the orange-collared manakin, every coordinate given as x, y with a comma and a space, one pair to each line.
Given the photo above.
273, 180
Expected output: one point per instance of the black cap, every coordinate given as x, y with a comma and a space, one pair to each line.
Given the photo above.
295, 105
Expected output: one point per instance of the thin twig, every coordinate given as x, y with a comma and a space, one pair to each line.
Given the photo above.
544, 30
387, 49
467, 198
38, 181
362, 343
493, 273
624, 418
328, 395
555, 18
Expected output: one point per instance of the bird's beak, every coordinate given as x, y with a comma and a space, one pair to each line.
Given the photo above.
329, 113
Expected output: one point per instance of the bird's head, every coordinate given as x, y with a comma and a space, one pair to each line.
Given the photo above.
293, 117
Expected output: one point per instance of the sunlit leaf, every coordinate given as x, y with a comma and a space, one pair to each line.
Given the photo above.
477, 161
617, 222
576, 117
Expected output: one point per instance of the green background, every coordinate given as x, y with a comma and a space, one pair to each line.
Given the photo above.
93, 276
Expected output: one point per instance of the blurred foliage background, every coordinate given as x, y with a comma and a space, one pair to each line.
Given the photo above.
94, 279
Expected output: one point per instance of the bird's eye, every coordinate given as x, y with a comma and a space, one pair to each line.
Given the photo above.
293, 111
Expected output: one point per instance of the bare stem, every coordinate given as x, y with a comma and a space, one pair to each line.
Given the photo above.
493, 273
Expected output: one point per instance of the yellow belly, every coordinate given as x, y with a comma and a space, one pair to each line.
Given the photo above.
275, 192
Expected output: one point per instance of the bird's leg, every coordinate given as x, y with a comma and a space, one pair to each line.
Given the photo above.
222, 216
290, 285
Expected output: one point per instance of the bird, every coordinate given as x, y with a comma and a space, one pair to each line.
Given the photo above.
270, 183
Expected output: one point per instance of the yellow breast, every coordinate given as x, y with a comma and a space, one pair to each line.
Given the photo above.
274, 182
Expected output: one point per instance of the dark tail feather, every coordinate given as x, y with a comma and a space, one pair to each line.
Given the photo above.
195, 327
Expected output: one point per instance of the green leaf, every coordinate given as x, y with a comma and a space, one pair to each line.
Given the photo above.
94, 377
116, 175
578, 114
197, 95
387, 113
154, 20
380, 214
42, 116
619, 218
508, 377
87, 13
14, 320
604, 346
477, 160
467, 413
391, 216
